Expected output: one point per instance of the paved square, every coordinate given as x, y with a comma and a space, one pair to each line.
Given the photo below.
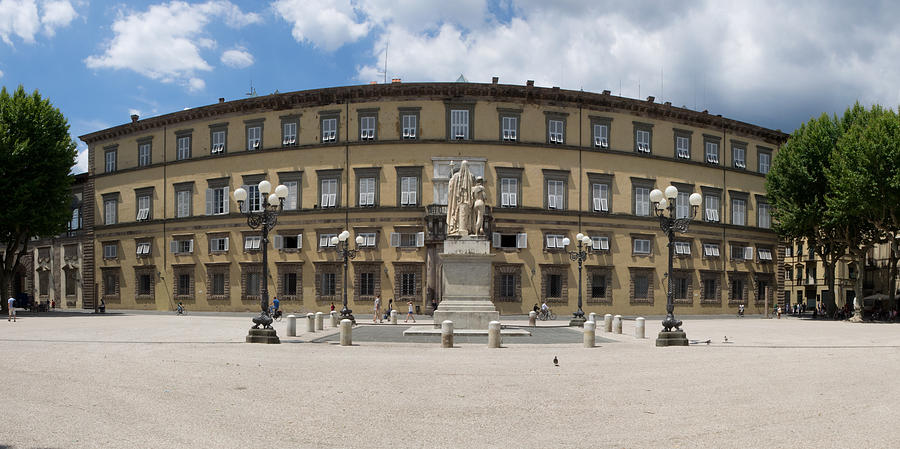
149, 380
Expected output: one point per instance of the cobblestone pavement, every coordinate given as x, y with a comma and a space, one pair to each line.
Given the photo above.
156, 380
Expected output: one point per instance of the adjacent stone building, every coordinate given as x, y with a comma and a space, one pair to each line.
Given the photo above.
375, 160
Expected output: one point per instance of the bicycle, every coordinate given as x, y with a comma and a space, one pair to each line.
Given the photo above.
275, 314
546, 315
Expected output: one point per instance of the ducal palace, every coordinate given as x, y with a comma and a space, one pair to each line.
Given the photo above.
158, 223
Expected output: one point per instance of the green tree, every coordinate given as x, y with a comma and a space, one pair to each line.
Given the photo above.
36, 156
797, 186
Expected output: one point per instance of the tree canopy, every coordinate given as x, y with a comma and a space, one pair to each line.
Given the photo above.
36, 157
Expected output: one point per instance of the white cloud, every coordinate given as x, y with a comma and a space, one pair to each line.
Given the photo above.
327, 24
133, 111
1, 73
24, 18
238, 58
746, 60
165, 41
81, 162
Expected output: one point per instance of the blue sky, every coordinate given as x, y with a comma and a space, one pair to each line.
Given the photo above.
770, 63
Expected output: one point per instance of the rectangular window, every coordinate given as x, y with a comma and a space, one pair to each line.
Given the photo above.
511, 240
601, 136
110, 161
182, 246
254, 138
683, 248
712, 152
555, 191
556, 131
642, 140
711, 208
507, 285
600, 197
710, 250
682, 147
329, 193
554, 241
554, 286
252, 243
680, 287
253, 279
600, 243
143, 212
143, 249
292, 200
642, 246
509, 191
110, 281
367, 128
110, 207
368, 239
408, 189
740, 252
765, 220
218, 142
218, 244
683, 205
329, 130
366, 284
367, 192
765, 160
183, 148
183, 203
71, 282
709, 289
288, 241
738, 155
642, 201
408, 283
409, 126
325, 240
289, 284
407, 239
144, 284
289, 134
641, 286
110, 250
217, 286
217, 201
738, 212
598, 285
144, 154
459, 124
765, 254
329, 284
510, 127
737, 289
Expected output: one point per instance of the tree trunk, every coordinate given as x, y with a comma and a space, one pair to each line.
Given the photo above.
830, 265
895, 247
860, 261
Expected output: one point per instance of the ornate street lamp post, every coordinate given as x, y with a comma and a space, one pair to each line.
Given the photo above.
263, 219
582, 251
342, 246
665, 208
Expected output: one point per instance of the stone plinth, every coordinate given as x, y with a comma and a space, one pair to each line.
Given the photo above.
672, 338
466, 284
266, 336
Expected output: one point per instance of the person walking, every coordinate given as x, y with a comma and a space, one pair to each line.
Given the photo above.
388, 309
332, 307
409, 314
12, 309
377, 314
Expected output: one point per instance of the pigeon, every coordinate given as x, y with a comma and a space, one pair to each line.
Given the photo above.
726, 339
555, 361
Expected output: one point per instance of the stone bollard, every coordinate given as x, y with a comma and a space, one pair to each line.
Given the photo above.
346, 332
334, 318
320, 321
494, 334
617, 324
607, 323
447, 334
532, 318
310, 322
639, 327
590, 334
592, 317
393, 317
292, 325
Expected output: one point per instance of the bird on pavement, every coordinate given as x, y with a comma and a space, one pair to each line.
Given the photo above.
555, 361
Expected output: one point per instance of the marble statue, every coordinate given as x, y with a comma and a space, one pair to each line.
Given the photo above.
461, 202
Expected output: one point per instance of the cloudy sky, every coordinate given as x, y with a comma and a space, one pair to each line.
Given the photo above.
771, 63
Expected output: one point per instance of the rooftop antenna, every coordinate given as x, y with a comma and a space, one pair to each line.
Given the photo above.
639, 88
662, 89
384, 72
252, 92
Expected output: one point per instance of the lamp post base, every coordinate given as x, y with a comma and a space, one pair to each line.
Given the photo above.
577, 321
265, 336
671, 338
347, 314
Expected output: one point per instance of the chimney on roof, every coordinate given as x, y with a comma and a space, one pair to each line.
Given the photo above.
495, 80
373, 82
395, 80
606, 92
668, 103
134, 118
650, 99
221, 99
529, 83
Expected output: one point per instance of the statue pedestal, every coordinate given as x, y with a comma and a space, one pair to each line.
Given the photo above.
466, 283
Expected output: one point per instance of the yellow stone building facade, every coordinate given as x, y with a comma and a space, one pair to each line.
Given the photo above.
375, 160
